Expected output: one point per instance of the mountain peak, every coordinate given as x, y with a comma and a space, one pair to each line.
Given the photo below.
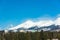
44, 23
30, 23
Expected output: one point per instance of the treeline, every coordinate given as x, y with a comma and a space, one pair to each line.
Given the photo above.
29, 35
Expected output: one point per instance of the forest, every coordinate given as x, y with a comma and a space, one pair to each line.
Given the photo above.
43, 35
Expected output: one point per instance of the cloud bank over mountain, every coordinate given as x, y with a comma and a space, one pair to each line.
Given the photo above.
40, 23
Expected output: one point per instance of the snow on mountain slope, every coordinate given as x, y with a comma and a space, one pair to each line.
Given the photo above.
26, 24
57, 21
44, 23
30, 23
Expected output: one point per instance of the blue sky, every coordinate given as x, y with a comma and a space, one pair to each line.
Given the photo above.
16, 11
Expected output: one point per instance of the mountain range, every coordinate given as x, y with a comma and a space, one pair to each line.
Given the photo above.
46, 25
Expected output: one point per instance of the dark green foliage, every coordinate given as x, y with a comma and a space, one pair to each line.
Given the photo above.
29, 35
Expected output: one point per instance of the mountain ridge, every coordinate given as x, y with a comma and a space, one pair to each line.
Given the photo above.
40, 24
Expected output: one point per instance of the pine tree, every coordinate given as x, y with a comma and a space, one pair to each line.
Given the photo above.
37, 37
28, 36
42, 35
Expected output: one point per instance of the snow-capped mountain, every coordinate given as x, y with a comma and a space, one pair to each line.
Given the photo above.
40, 25
30, 23
46, 28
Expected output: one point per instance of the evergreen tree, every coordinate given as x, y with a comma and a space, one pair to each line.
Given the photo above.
28, 36
41, 35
